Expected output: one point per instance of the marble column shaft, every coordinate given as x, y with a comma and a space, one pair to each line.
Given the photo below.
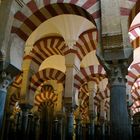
25, 108
116, 63
92, 89
4, 83
69, 123
78, 130
72, 66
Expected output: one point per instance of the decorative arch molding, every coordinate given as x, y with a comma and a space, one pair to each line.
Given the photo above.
17, 81
130, 9
135, 92
135, 107
45, 96
14, 98
31, 16
135, 104
135, 111
133, 74
55, 45
107, 104
101, 95
93, 72
134, 11
47, 103
136, 42
84, 95
45, 48
44, 75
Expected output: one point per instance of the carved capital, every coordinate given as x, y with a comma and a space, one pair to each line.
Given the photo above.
5, 81
92, 115
25, 106
69, 109
116, 63
116, 73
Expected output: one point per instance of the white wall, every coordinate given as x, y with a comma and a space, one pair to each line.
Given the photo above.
16, 51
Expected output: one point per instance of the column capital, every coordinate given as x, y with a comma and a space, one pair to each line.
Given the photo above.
71, 60
116, 63
69, 108
92, 115
25, 106
5, 81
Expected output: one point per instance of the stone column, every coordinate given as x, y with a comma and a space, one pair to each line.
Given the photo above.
29, 133
102, 118
78, 128
116, 63
129, 99
5, 80
36, 126
108, 122
59, 92
72, 66
27, 72
58, 121
69, 123
92, 89
55, 129
58, 126
25, 108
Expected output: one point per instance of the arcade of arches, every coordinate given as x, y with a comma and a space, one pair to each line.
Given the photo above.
70, 69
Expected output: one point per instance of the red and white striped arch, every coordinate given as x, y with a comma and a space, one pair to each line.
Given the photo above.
94, 72
84, 113
135, 107
17, 84
136, 110
136, 90
135, 9
55, 45
133, 74
84, 95
45, 48
134, 35
107, 105
17, 81
48, 103
135, 104
129, 9
86, 43
44, 75
102, 95
45, 96
33, 14
84, 89
134, 31
14, 98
